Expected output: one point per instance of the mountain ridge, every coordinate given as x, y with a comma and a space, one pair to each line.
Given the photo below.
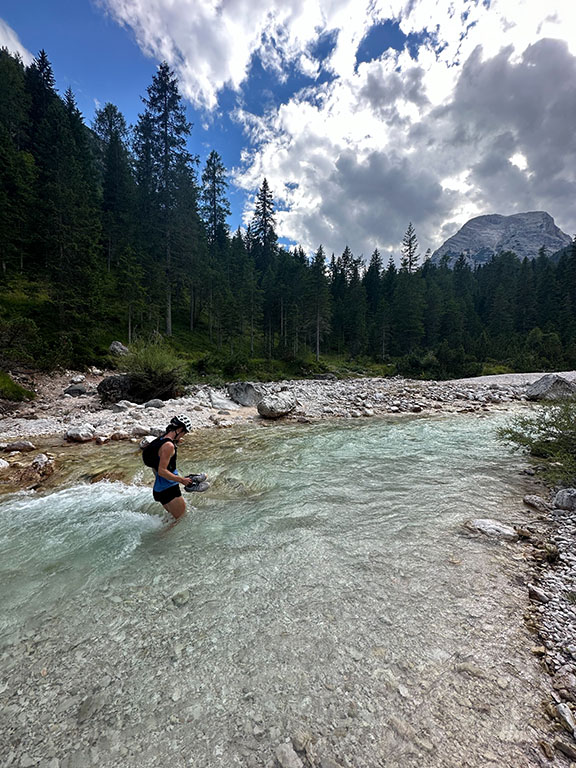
485, 236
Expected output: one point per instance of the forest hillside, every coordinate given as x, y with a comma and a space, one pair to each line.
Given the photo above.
112, 231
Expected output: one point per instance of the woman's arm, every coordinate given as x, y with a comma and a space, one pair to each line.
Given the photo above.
165, 454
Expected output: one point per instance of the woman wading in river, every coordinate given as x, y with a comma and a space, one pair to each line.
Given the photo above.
160, 456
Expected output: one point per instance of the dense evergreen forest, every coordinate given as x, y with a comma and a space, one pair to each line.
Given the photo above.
109, 231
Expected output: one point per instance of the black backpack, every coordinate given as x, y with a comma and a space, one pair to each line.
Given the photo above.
150, 453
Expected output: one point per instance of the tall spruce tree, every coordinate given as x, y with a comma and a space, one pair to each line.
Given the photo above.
17, 168
318, 299
117, 184
410, 254
169, 132
214, 205
263, 228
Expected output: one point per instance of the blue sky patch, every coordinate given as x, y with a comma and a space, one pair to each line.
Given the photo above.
380, 38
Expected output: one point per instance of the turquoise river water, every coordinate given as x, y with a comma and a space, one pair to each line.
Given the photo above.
328, 591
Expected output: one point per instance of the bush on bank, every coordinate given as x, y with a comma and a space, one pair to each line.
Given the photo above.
155, 370
10, 390
548, 433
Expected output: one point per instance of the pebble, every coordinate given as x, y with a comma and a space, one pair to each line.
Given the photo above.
181, 598
286, 757
567, 749
300, 740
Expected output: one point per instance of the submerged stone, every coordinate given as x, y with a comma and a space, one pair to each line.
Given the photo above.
492, 528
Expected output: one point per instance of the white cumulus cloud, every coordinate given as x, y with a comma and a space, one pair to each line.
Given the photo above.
9, 39
475, 116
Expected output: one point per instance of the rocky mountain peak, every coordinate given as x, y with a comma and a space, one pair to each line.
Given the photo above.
485, 236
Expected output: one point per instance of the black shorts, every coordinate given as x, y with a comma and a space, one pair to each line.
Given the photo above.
170, 493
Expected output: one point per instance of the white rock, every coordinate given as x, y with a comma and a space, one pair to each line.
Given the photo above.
41, 461
139, 431
81, 434
221, 402
117, 348
146, 441
3, 465
120, 434
286, 757
276, 405
492, 528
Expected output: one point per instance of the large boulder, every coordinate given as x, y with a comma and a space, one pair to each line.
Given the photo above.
221, 403
565, 499
76, 390
118, 349
245, 393
112, 389
82, 434
551, 387
276, 405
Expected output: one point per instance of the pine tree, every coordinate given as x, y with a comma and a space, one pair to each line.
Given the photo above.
263, 228
117, 183
169, 129
17, 169
410, 254
318, 299
214, 205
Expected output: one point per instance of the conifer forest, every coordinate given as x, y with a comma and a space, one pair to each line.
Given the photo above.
110, 231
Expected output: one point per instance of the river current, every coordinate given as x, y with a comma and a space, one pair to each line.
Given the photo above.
326, 593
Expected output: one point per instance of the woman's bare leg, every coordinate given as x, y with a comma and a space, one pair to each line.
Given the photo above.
176, 507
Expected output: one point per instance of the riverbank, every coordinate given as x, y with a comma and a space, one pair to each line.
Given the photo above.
552, 612
54, 412
57, 417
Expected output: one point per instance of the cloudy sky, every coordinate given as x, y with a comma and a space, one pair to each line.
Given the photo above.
363, 114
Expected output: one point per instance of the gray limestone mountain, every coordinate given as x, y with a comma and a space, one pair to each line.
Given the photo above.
485, 236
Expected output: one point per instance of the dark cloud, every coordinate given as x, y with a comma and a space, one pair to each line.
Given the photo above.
503, 106
373, 200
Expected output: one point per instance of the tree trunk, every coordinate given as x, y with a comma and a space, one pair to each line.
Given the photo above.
383, 340
317, 334
168, 286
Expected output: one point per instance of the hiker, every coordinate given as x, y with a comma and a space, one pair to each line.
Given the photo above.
161, 455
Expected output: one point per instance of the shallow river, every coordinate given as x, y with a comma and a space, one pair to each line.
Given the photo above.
330, 593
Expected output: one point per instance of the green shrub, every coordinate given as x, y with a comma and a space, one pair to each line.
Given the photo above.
495, 369
10, 390
155, 370
548, 433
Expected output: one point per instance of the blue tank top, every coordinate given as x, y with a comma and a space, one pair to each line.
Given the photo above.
161, 483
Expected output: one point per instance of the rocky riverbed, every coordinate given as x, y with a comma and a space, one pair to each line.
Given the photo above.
54, 412
542, 545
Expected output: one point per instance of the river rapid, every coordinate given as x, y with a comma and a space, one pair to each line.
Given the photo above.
321, 592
